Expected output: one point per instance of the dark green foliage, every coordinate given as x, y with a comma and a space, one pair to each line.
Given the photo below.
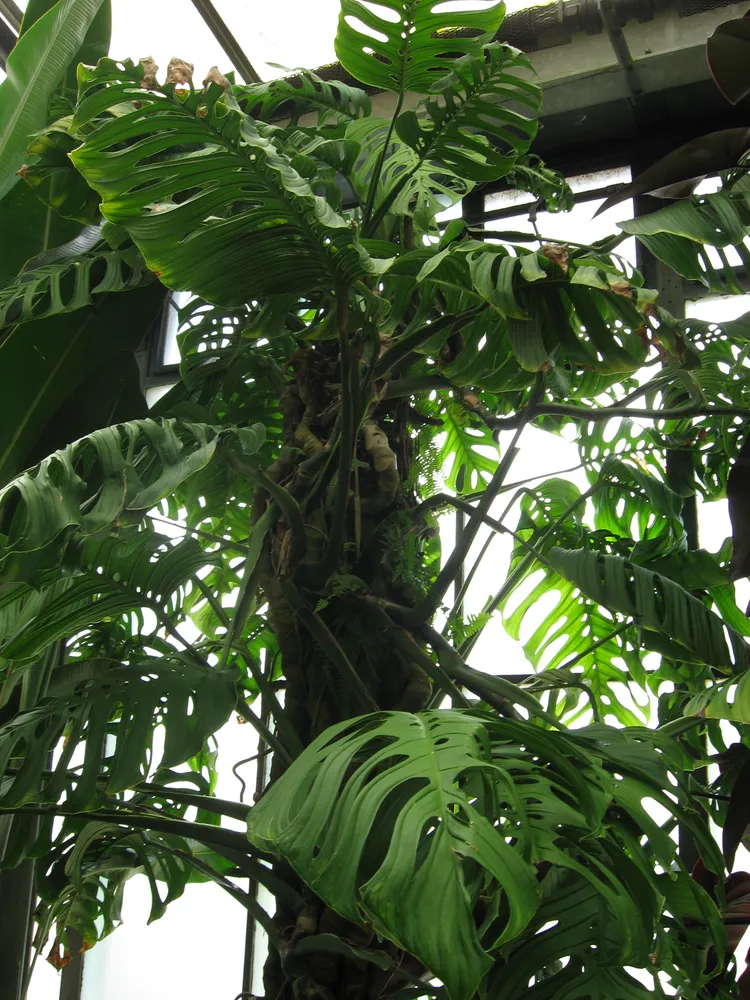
268, 539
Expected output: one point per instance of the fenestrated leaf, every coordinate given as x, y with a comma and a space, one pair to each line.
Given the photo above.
531, 174
633, 503
410, 185
464, 451
680, 233
587, 319
35, 67
573, 629
657, 604
206, 220
119, 574
390, 816
405, 45
405, 834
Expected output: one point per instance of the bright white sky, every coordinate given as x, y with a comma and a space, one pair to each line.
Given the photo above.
292, 33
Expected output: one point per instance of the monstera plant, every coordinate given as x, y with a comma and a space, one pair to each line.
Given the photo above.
265, 541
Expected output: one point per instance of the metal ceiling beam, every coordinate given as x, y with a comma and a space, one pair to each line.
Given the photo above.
12, 14
7, 43
225, 38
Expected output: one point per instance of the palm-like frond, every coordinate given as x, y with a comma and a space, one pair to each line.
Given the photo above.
304, 93
108, 478
93, 700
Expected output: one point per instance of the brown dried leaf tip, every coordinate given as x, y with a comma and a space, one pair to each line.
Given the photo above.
179, 72
150, 69
216, 76
556, 255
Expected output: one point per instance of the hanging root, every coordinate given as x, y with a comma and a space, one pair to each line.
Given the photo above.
384, 463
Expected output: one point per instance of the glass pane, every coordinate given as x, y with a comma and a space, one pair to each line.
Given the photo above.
171, 962
718, 308
289, 34
154, 394
45, 981
195, 951
176, 301
499, 200
163, 30
454, 212
292, 34
578, 226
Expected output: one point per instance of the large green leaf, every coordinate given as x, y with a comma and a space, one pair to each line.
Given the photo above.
393, 818
587, 314
35, 228
463, 454
470, 127
112, 476
35, 67
95, 44
407, 45
413, 811
45, 365
55, 181
572, 628
210, 201
657, 604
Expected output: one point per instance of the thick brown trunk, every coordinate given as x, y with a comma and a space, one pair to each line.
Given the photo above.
379, 531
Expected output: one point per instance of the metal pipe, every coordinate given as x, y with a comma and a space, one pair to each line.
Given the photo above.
618, 42
225, 38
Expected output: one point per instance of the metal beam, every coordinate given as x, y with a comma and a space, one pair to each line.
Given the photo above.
12, 14
7, 43
226, 39
16, 900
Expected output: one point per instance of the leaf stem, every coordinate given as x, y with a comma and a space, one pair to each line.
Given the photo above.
247, 585
406, 344
375, 180
597, 414
318, 573
245, 712
514, 576
429, 605
216, 539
